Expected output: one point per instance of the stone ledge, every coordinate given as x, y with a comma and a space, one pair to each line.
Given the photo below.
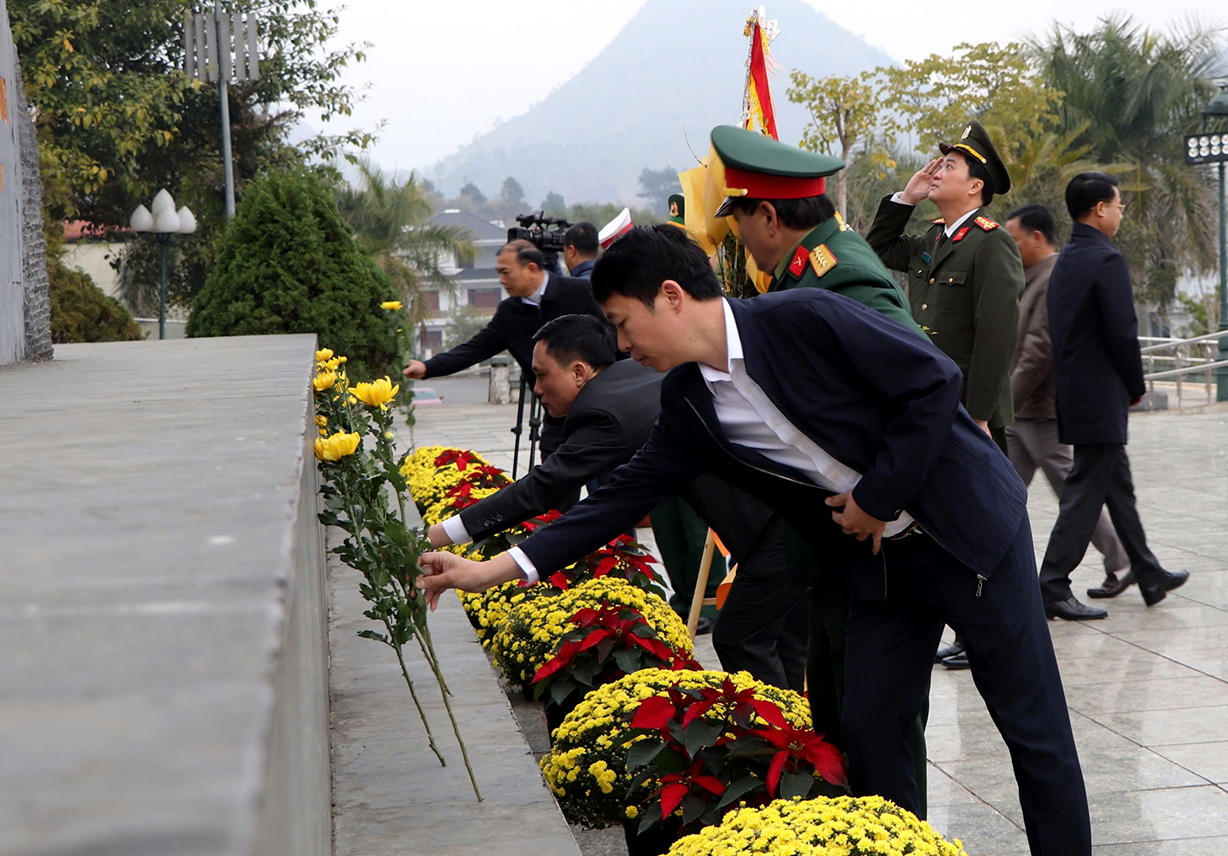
154, 553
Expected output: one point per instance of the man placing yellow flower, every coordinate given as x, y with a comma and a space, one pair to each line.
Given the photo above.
377, 393
337, 446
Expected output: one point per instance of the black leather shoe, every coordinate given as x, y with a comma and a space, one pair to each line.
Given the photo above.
957, 661
953, 650
1156, 593
1072, 609
1112, 586
705, 625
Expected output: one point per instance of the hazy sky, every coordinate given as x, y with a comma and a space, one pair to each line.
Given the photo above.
443, 73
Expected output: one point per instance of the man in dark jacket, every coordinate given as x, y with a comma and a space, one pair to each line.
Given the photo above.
850, 427
608, 408
1032, 440
533, 298
1099, 375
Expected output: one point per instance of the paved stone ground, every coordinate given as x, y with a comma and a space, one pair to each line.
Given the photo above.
1147, 688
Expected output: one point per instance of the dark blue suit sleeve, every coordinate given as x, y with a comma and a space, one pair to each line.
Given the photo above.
922, 387
1115, 298
666, 464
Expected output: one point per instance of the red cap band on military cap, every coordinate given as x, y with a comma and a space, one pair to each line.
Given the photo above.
760, 185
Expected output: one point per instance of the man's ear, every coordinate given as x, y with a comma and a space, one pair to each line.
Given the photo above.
771, 219
580, 372
673, 293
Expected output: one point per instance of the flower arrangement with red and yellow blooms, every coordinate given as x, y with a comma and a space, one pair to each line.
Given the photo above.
607, 642
709, 749
587, 764
533, 630
849, 826
623, 557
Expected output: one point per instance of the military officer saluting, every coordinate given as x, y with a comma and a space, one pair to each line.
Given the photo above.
965, 276
776, 195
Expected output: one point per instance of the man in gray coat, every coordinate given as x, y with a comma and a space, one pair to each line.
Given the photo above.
1032, 440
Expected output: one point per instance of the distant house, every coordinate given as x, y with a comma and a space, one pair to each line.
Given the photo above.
478, 282
93, 254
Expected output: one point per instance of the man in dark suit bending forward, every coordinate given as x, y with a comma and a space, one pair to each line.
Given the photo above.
850, 426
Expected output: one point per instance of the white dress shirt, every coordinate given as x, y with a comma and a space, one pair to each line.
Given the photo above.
535, 299
750, 419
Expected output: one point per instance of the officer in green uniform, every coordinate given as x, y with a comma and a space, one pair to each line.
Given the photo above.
776, 196
965, 279
965, 276
790, 226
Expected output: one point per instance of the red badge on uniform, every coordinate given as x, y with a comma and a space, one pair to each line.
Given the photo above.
959, 236
799, 261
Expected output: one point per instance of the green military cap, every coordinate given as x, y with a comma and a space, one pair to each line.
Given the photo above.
975, 143
758, 167
677, 209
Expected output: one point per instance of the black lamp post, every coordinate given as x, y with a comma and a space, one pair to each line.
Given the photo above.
1212, 147
164, 222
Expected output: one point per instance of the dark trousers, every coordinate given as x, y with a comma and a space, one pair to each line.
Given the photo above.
761, 628
888, 660
1099, 478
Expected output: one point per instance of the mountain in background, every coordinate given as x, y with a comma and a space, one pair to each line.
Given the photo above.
649, 100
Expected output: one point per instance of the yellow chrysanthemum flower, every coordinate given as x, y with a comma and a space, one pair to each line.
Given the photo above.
323, 355
324, 381
391, 304
337, 446
322, 421
377, 393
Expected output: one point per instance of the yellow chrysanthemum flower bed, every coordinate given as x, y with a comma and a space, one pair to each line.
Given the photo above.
587, 766
429, 484
488, 610
836, 826
533, 628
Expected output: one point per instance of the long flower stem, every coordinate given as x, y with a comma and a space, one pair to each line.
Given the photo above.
422, 713
430, 736
428, 650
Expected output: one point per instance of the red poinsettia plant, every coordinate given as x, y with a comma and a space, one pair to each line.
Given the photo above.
461, 458
708, 750
623, 557
606, 643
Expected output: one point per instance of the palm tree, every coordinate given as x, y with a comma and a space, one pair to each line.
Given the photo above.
1130, 94
391, 221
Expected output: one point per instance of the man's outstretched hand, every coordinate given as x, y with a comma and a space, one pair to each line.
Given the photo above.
448, 570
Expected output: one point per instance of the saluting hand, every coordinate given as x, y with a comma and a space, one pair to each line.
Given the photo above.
853, 521
919, 185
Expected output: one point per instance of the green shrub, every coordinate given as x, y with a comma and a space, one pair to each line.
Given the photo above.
81, 312
288, 263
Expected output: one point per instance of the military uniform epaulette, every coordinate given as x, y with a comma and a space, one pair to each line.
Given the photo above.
821, 258
986, 223
938, 222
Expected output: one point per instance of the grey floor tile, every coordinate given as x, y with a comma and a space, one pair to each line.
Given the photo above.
1209, 760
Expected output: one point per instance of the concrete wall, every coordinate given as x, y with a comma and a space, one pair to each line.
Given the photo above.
163, 683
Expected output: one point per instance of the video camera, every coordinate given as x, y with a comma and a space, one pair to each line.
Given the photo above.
545, 233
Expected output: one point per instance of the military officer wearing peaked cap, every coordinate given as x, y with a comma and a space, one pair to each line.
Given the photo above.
965, 276
776, 194
965, 279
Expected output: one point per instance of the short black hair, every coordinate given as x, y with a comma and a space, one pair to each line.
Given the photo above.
1088, 189
976, 169
582, 236
637, 263
804, 213
579, 337
525, 252
1036, 218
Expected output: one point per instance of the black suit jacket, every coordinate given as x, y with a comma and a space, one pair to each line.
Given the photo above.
609, 421
513, 327
865, 389
1096, 361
